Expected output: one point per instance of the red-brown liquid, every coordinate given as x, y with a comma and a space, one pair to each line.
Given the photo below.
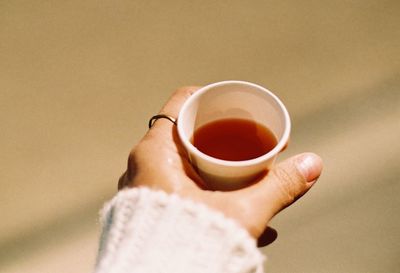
234, 139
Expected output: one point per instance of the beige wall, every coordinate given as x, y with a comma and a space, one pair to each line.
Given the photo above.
79, 80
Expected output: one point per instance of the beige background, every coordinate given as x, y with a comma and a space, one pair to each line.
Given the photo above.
79, 80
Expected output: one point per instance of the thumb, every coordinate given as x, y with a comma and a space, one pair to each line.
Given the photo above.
287, 182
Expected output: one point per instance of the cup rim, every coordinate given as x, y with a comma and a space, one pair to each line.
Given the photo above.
254, 161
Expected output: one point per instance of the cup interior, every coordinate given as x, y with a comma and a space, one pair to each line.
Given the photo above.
234, 99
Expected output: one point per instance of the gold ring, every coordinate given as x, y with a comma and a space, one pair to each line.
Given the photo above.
154, 119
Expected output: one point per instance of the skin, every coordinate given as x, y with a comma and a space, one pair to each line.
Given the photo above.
160, 162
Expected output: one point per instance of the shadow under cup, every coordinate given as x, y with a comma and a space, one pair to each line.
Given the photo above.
232, 100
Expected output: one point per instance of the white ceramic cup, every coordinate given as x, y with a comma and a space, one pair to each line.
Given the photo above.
232, 99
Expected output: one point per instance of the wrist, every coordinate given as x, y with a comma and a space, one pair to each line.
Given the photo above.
149, 228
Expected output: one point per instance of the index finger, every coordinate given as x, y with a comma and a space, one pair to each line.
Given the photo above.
172, 107
175, 102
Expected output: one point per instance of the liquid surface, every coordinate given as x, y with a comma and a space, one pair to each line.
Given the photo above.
234, 139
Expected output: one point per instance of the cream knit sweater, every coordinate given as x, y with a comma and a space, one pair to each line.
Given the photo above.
151, 231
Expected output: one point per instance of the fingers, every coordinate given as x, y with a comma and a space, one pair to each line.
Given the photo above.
163, 135
159, 156
173, 105
285, 147
267, 237
287, 182
175, 102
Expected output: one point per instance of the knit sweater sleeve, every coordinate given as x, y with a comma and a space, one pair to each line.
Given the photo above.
151, 231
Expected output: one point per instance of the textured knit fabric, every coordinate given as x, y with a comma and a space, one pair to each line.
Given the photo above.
151, 231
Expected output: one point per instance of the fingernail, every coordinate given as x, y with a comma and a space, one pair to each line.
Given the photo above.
310, 166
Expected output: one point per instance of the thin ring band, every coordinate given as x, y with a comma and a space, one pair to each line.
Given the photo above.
154, 119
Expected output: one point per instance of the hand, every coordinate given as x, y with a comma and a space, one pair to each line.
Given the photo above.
160, 162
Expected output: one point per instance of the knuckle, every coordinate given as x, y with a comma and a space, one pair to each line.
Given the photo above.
186, 91
287, 185
123, 181
133, 159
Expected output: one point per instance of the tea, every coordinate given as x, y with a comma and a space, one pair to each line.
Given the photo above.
234, 139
